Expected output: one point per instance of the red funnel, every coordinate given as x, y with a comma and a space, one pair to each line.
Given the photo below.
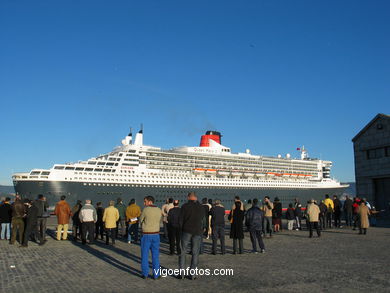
205, 139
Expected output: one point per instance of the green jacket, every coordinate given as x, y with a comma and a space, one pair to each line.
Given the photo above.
122, 211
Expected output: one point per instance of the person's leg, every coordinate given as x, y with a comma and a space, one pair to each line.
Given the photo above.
15, 229
195, 251
215, 239
234, 245
59, 230
108, 234
27, 234
145, 247
65, 235
241, 246
2, 235
129, 232
365, 231
185, 242
113, 236
177, 240
171, 239
21, 230
252, 234
316, 226
84, 233
8, 235
270, 226
222, 239
155, 248
260, 240
310, 229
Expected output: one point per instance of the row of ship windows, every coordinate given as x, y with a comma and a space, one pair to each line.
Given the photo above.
178, 176
213, 165
214, 184
178, 186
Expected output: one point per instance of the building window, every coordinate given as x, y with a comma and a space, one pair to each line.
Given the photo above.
374, 153
387, 152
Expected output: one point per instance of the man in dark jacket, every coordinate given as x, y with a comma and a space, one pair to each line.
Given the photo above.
99, 225
18, 214
192, 219
337, 211
31, 224
207, 207
323, 210
5, 219
348, 211
254, 222
217, 213
174, 228
42, 206
298, 214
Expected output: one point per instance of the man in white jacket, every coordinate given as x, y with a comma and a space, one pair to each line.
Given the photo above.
88, 218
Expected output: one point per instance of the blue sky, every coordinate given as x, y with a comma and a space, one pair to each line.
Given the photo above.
270, 75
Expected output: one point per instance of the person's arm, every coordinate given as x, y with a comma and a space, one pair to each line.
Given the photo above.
104, 215
142, 217
81, 215
94, 215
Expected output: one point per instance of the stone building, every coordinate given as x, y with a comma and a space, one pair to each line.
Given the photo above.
372, 162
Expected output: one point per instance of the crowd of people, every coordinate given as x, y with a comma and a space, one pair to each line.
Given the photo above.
185, 227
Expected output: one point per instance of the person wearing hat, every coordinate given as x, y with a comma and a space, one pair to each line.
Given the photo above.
312, 213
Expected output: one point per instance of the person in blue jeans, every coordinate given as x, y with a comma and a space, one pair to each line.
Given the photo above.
150, 224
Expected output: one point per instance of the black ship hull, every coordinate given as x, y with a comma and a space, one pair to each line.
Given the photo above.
73, 191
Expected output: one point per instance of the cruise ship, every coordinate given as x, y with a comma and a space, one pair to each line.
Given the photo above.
134, 170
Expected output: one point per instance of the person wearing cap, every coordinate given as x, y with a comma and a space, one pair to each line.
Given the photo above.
63, 212
312, 213
88, 218
363, 213
17, 223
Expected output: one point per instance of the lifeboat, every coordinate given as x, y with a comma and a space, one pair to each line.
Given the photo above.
211, 171
223, 173
199, 171
247, 174
236, 173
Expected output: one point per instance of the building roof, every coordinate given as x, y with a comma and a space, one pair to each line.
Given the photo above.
380, 115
